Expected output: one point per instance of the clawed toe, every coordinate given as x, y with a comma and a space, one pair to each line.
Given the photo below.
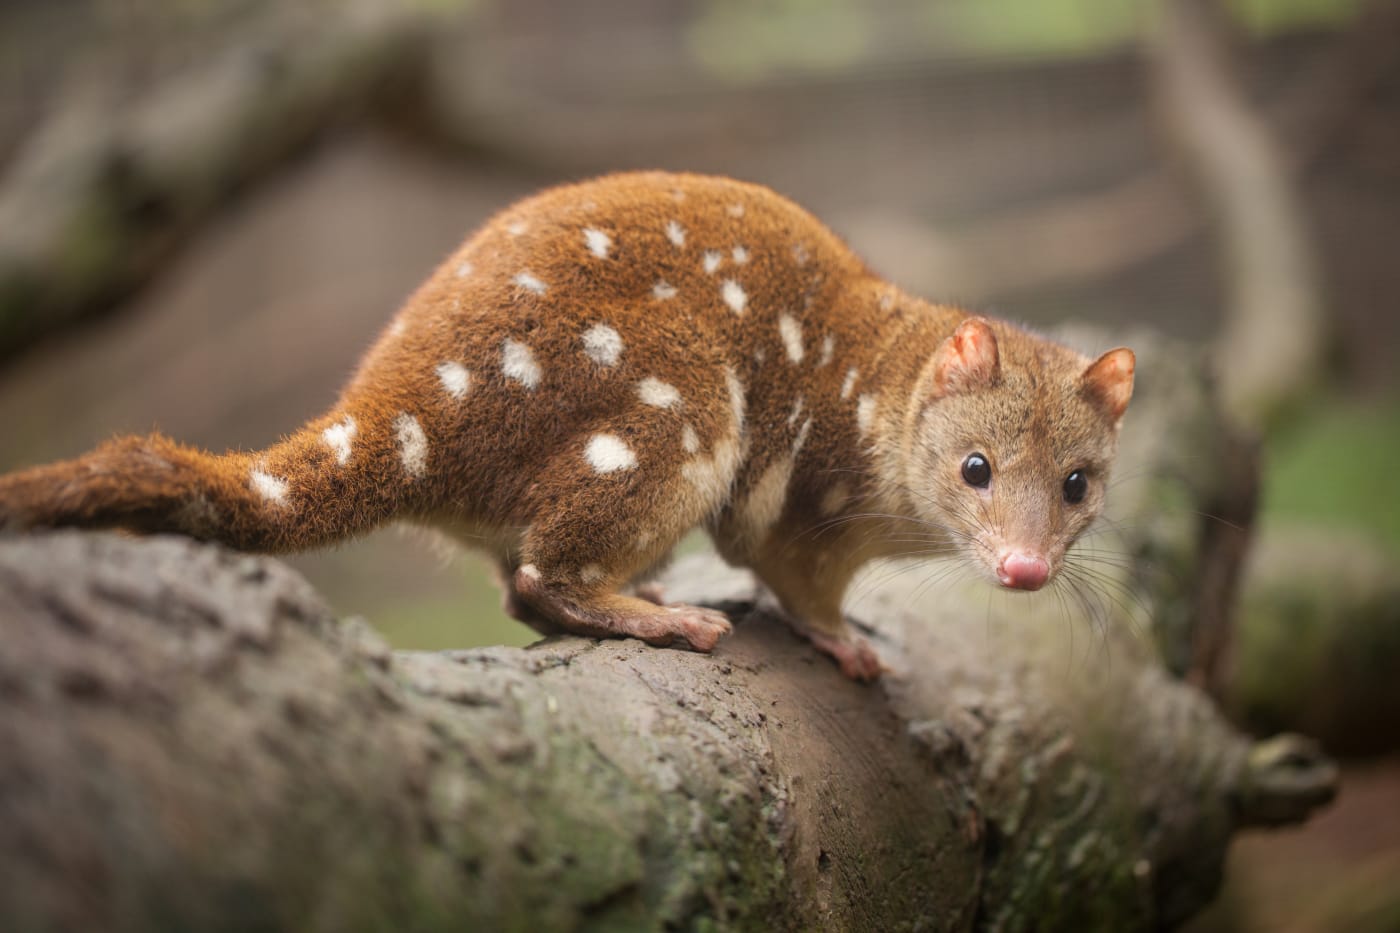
700, 629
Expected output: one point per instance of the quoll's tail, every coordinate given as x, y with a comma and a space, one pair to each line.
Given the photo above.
338, 476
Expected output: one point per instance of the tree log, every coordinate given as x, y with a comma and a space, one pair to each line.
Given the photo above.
1318, 640
192, 742
1275, 338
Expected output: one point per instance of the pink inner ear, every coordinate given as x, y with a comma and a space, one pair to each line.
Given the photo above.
1109, 380
967, 359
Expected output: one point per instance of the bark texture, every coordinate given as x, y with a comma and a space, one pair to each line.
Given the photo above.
1319, 640
192, 742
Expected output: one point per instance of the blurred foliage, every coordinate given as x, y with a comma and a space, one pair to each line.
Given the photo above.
742, 39
1038, 29
1270, 17
1335, 466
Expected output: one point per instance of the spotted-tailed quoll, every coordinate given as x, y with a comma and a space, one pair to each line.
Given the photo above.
607, 365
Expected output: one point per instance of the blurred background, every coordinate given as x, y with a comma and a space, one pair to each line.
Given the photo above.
208, 208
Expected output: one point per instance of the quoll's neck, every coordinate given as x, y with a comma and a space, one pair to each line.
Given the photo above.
898, 334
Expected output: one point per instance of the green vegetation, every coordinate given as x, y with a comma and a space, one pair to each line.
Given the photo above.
737, 40
1038, 29
1336, 466
1067, 28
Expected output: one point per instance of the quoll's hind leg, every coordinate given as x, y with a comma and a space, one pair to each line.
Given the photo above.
614, 508
515, 605
600, 612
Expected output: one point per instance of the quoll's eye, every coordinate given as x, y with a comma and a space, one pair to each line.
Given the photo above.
977, 471
1075, 487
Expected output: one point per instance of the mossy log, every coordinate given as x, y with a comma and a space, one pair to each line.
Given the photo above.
1318, 640
192, 742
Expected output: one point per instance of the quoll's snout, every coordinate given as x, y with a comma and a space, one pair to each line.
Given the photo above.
1019, 570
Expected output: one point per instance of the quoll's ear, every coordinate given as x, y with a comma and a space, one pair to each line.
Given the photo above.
1108, 382
967, 359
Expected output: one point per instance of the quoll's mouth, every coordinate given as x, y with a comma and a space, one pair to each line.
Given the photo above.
1020, 570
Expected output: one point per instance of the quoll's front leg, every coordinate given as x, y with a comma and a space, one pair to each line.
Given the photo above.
811, 604
853, 653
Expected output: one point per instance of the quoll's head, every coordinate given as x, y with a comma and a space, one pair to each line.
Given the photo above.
1012, 444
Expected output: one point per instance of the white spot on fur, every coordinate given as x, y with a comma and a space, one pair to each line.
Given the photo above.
675, 233
760, 511
712, 476
690, 440
865, 414
658, 394
800, 254
759, 354
850, 382
526, 280
454, 378
801, 437
413, 444
397, 328
516, 228
740, 255
609, 453
591, 574
737, 401
271, 488
530, 571
464, 269
518, 363
602, 344
338, 437
663, 290
711, 261
736, 210
734, 296
597, 241
828, 348
796, 410
886, 301
790, 329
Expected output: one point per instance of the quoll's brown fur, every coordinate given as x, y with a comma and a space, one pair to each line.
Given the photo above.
607, 365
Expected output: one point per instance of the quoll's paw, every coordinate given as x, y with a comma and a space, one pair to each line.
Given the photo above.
700, 629
857, 659
673, 626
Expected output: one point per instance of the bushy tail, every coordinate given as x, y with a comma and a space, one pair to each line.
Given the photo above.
334, 478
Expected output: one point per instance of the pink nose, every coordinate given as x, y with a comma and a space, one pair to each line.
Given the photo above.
1021, 571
